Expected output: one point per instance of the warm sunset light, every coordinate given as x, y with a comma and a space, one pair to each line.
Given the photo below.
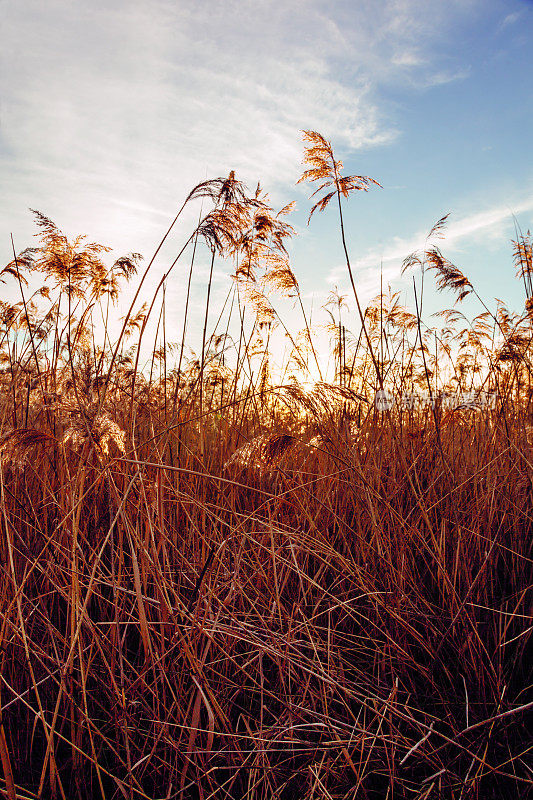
266, 431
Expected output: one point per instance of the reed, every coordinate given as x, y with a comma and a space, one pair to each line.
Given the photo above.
216, 585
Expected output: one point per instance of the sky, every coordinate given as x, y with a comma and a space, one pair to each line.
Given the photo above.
110, 113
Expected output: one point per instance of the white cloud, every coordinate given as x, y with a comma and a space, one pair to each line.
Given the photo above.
488, 224
408, 58
510, 19
443, 77
110, 111
111, 115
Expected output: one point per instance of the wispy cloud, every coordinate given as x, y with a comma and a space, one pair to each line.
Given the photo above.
408, 58
443, 77
109, 111
110, 114
510, 19
490, 223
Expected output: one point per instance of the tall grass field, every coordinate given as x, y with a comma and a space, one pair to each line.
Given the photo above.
226, 580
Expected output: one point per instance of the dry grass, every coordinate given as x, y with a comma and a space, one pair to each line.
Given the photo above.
213, 587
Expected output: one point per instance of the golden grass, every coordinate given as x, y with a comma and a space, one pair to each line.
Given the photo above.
213, 587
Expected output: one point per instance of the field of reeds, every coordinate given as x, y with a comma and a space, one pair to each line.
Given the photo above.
220, 584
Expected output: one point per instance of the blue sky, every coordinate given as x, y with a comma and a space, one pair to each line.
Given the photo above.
110, 115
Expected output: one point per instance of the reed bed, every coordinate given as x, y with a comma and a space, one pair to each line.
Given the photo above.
218, 585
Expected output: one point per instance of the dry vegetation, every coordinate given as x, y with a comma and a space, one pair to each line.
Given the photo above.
214, 587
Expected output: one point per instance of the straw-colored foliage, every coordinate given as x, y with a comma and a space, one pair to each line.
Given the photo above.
219, 584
